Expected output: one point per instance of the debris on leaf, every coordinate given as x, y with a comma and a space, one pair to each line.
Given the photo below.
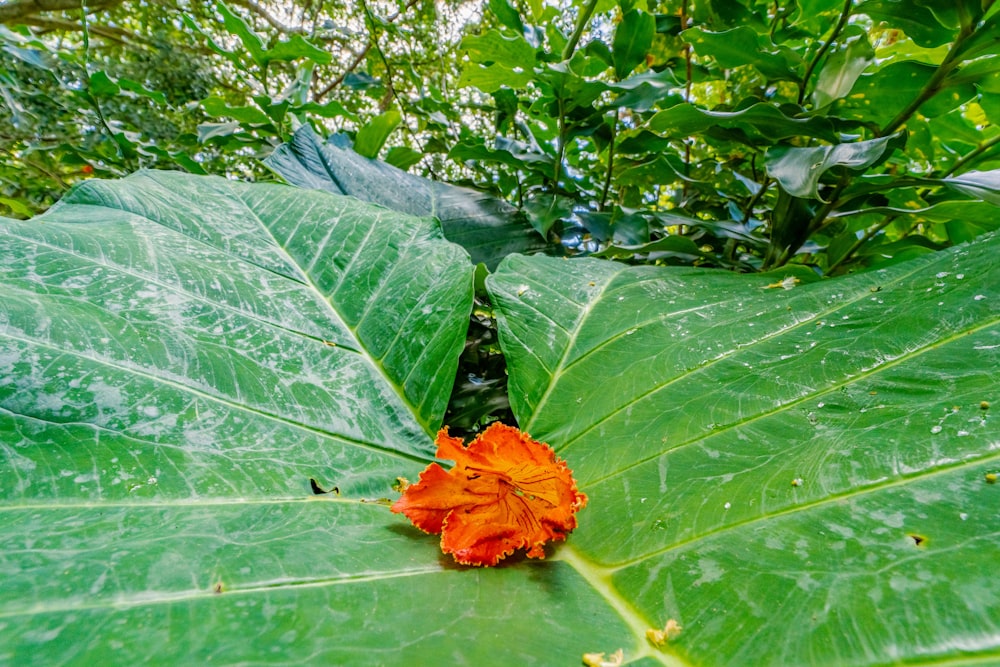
784, 283
991, 478
984, 405
505, 492
598, 660
318, 490
660, 637
401, 485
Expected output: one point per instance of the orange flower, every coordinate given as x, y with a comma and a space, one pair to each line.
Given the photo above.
506, 491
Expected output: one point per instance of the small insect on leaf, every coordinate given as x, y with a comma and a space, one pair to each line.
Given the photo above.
991, 478
784, 283
401, 485
670, 632
505, 492
616, 659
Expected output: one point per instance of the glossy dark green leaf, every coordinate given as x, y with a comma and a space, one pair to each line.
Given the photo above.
795, 473
140, 89
493, 47
572, 89
985, 73
799, 170
403, 157
297, 47
291, 49
841, 70
100, 83
25, 49
179, 357
913, 17
511, 153
644, 91
672, 245
960, 220
218, 107
236, 26
487, 227
491, 78
507, 15
880, 96
372, 136
983, 185
763, 122
742, 46
984, 42
633, 38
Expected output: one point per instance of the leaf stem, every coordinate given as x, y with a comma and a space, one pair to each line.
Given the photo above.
857, 245
611, 162
844, 15
581, 24
561, 147
972, 155
885, 222
934, 84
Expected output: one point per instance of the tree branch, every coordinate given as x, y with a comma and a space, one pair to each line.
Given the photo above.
113, 34
841, 23
343, 75
16, 11
581, 24
273, 22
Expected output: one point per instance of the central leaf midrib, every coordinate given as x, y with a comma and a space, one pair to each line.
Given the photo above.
598, 579
335, 314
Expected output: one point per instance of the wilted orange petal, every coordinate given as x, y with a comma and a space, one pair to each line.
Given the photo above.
506, 491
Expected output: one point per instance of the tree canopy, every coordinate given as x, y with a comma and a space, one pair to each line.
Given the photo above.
747, 135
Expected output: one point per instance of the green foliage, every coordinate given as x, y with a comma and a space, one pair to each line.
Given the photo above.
599, 122
75, 112
488, 228
795, 472
773, 123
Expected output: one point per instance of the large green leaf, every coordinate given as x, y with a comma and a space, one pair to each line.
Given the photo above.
799, 170
633, 39
841, 70
487, 227
493, 47
742, 46
372, 136
983, 185
167, 389
763, 123
178, 356
879, 96
797, 476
